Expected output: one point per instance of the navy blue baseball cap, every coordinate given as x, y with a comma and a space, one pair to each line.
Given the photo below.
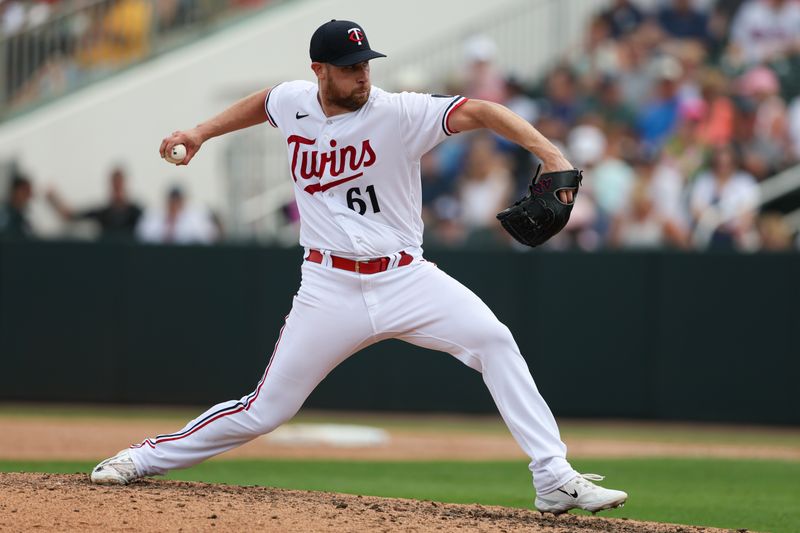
341, 43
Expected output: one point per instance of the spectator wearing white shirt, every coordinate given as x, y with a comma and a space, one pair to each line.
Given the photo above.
764, 30
485, 186
178, 224
733, 193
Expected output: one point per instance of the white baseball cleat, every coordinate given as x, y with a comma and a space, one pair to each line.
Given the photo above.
117, 470
580, 493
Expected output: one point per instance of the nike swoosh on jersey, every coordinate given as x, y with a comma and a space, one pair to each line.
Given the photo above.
318, 187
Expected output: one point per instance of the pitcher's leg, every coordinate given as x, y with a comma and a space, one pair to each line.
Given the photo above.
458, 322
316, 337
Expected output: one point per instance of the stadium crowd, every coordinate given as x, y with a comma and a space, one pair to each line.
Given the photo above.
676, 114
120, 218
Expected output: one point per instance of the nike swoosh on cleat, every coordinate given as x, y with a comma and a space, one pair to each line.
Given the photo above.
574, 493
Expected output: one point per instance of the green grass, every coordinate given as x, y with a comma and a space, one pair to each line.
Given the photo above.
758, 495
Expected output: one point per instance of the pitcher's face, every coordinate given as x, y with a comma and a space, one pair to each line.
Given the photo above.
347, 87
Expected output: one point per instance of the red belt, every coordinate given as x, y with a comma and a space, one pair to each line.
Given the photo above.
370, 266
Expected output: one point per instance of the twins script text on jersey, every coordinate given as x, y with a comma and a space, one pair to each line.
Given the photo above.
311, 164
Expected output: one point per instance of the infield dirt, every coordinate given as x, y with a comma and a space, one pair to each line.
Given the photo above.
93, 439
50, 502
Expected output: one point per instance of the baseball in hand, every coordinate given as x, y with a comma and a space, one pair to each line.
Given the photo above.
176, 155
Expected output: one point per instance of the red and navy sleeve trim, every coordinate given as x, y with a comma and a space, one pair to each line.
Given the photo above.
270, 118
457, 102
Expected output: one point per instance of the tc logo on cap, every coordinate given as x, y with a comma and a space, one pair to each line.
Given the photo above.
341, 43
356, 35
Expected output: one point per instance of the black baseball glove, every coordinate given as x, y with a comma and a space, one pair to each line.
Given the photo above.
541, 214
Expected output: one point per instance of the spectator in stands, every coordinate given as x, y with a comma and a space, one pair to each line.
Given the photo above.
518, 101
641, 226
774, 235
585, 146
13, 17
609, 104
729, 193
623, 17
686, 151
794, 127
484, 80
448, 231
657, 120
720, 15
16, 16
767, 147
692, 57
612, 180
716, 120
435, 181
599, 55
121, 35
168, 13
563, 100
484, 188
764, 30
117, 219
665, 187
522, 161
178, 224
13, 215
634, 76
680, 20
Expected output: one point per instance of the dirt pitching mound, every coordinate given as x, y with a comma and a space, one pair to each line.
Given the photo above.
49, 502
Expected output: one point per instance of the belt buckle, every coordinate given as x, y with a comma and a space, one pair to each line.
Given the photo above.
358, 267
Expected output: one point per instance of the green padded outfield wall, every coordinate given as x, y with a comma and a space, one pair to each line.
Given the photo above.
645, 335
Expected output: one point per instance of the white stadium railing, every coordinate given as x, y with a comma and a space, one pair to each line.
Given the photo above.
78, 42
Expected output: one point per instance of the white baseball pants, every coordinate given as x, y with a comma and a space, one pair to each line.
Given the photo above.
336, 313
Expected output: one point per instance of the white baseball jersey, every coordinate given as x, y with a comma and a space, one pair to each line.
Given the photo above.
358, 189
356, 175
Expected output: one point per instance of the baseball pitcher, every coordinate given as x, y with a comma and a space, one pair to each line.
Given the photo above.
354, 158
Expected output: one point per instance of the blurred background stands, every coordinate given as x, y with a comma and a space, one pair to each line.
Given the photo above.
647, 103
50, 47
